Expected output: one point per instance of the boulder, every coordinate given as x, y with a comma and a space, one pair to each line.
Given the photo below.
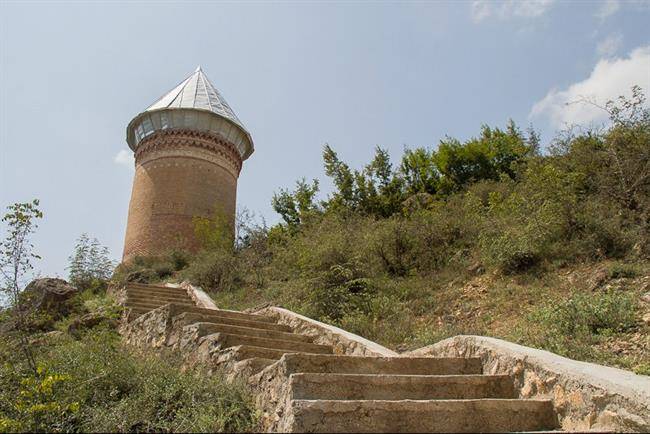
45, 301
50, 296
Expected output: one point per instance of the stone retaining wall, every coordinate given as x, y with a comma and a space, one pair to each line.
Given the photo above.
343, 342
586, 396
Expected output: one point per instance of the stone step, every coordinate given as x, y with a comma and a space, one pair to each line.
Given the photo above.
396, 387
230, 340
207, 328
166, 298
155, 290
151, 286
215, 318
307, 363
142, 294
252, 366
244, 352
185, 307
151, 305
466, 415
230, 314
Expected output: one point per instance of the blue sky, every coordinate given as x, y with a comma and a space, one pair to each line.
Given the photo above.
299, 75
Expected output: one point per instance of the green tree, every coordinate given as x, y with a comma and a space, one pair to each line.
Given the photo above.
90, 261
297, 206
342, 177
419, 172
493, 153
16, 259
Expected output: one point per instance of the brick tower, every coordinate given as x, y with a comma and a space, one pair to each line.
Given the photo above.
189, 148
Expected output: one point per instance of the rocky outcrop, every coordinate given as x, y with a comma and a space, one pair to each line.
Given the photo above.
49, 295
585, 396
45, 301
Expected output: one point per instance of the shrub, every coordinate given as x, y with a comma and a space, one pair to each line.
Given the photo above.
623, 271
95, 384
151, 269
571, 326
338, 291
527, 226
215, 270
394, 245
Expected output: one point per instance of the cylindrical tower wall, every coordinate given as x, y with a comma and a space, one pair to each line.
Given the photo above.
179, 174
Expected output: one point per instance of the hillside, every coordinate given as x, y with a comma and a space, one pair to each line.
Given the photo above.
490, 236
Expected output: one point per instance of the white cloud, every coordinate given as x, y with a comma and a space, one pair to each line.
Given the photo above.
504, 10
124, 158
607, 8
609, 79
480, 10
610, 45
528, 8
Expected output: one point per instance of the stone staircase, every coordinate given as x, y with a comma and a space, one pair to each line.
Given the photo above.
301, 386
141, 298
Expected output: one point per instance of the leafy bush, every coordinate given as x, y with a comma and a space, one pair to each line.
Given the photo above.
151, 269
215, 270
394, 245
570, 326
338, 291
623, 271
96, 384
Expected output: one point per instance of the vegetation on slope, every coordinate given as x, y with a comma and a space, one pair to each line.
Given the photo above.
489, 236
74, 374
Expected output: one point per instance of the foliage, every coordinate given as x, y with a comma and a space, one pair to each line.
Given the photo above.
215, 269
16, 257
493, 154
215, 232
95, 384
37, 406
569, 326
151, 269
338, 291
456, 239
296, 208
89, 262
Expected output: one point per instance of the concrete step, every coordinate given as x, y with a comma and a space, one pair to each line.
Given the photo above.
230, 340
252, 366
306, 363
215, 318
207, 328
467, 415
244, 352
151, 286
230, 314
150, 305
155, 290
148, 295
396, 387
157, 298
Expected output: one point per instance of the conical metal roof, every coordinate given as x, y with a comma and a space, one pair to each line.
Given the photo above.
197, 91
196, 104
